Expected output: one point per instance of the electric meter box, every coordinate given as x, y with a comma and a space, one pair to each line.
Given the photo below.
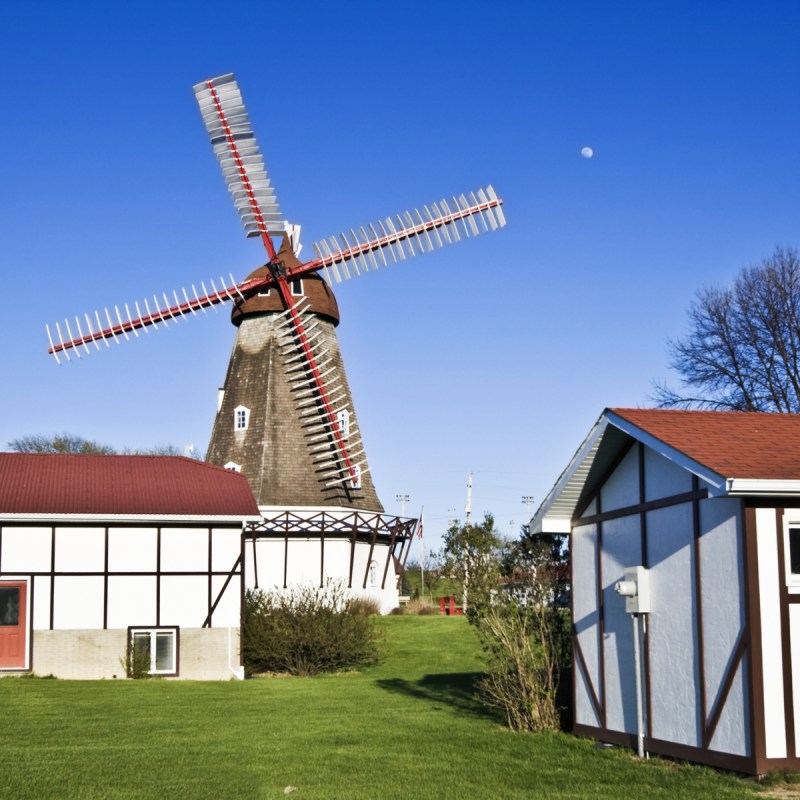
635, 588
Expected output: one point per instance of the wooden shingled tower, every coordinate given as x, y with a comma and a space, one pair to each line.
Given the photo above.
265, 425
285, 417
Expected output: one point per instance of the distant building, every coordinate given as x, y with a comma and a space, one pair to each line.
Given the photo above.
708, 503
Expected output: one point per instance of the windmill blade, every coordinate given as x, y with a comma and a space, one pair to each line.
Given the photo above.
419, 231
160, 313
235, 147
314, 379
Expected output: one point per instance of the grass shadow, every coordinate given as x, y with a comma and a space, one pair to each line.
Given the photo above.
458, 690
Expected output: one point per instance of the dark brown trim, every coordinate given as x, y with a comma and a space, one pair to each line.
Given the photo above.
32, 589
618, 738
581, 662
605, 476
698, 604
158, 575
786, 652
118, 573
210, 565
650, 505
255, 560
52, 576
352, 560
601, 620
242, 590
758, 744
233, 571
643, 503
322, 555
286, 561
710, 726
105, 579
681, 752
713, 758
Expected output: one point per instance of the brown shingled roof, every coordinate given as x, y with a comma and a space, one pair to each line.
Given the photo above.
37, 483
734, 444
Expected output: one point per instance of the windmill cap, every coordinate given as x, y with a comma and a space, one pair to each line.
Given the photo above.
320, 297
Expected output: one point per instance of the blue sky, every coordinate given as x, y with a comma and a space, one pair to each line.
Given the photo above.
494, 356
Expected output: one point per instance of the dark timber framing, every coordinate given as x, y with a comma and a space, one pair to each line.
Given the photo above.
747, 642
326, 525
59, 528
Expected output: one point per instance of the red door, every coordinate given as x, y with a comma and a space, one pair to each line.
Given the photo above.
13, 624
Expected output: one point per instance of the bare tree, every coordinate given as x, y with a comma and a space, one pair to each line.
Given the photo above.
60, 443
742, 350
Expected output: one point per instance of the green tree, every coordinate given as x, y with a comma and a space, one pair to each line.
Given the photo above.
742, 349
470, 554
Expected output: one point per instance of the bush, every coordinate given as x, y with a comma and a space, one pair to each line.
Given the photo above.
363, 606
524, 639
305, 631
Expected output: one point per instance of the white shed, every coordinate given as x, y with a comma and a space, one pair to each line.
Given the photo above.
708, 503
102, 553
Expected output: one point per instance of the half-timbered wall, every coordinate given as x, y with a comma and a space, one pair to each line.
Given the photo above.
281, 563
648, 511
89, 583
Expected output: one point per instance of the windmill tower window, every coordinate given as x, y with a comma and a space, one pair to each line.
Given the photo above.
343, 421
241, 418
355, 480
373, 573
297, 288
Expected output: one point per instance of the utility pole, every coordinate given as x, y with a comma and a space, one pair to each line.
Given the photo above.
402, 499
468, 509
528, 500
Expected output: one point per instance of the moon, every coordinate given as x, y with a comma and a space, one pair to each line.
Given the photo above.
587, 152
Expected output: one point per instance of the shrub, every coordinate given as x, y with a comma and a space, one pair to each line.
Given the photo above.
305, 631
524, 639
364, 606
419, 607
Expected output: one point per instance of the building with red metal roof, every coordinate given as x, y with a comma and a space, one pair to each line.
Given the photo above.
114, 560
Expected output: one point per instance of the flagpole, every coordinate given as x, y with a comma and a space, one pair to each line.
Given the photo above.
422, 560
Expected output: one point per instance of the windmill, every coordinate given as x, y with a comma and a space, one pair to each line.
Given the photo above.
285, 415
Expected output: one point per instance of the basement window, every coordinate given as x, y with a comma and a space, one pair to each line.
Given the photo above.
155, 650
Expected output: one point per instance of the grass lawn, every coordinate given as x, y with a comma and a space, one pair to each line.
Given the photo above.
407, 729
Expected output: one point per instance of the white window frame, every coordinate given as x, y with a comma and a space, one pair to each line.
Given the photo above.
233, 466
154, 633
343, 422
355, 482
792, 579
297, 287
372, 572
241, 418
